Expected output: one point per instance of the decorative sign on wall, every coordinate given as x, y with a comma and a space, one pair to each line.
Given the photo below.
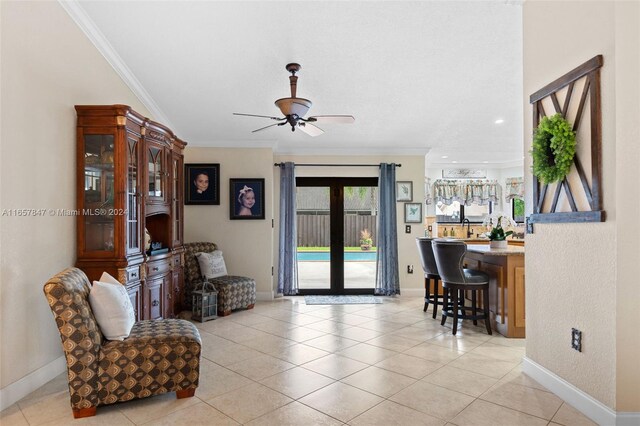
464, 173
576, 196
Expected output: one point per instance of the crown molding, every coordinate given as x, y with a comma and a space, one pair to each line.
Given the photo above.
353, 151
450, 165
88, 27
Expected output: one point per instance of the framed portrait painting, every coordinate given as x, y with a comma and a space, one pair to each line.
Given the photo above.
412, 212
202, 184
246, 199
404, 191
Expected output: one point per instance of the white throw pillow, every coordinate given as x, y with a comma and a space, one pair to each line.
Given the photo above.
212, 264
112, 308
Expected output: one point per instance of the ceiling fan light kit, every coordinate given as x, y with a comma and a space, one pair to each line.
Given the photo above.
290, 106
294, 110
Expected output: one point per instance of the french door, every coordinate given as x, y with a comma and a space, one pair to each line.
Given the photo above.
334, 216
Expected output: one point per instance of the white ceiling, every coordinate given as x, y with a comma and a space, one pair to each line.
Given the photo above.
418, 76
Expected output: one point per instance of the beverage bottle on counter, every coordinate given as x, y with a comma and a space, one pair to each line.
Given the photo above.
445, 233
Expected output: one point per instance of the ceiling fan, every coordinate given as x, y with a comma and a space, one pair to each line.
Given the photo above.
294, 110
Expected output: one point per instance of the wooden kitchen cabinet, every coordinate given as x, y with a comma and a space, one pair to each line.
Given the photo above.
506, 286
130, 173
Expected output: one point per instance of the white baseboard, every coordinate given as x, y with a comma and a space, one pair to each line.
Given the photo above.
581, 401
14, 392
412, 292
264, 295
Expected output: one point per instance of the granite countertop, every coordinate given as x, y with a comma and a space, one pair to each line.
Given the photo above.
485, 249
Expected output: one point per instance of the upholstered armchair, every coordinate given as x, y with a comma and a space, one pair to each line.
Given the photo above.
234, 292
158, 356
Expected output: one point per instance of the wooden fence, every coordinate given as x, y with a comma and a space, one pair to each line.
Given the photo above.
313, 230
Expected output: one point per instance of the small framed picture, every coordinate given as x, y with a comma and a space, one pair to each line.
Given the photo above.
202, 184
412, 212
404, 191
246, 199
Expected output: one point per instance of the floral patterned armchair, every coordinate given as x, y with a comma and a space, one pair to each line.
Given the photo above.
158, 356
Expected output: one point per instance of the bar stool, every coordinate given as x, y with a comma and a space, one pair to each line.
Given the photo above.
430, 269
449, 255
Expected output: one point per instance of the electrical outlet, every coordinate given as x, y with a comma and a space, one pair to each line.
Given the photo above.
407, 229
430, 228
576, 339
409, 269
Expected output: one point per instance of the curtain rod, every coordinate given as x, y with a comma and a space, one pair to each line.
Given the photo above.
336, 165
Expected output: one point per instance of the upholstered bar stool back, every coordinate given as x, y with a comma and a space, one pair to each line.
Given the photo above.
449, 255
431, 275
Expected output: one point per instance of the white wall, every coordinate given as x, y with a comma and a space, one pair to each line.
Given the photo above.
412, 170
582, 274
247, 244
627, 51
48, 66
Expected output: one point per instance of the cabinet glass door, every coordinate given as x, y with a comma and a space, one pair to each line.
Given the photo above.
176, 204
133, 206
98, 200
155, 158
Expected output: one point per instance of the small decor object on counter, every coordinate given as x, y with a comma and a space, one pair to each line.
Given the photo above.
205, 302
498, 244
500, 227
554, 146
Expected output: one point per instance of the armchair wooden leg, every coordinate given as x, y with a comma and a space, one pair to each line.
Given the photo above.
250, 306
185, 393
84, 412
224, 313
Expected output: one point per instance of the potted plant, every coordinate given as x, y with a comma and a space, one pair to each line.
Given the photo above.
365, 240
499, 228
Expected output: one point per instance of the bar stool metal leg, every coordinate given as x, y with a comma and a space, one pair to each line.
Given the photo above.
445, 303
455, 314
474, 307
427, 284
435, 298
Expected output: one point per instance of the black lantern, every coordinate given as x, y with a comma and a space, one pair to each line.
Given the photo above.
205, 302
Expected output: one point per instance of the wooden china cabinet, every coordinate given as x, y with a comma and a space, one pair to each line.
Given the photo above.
130, 180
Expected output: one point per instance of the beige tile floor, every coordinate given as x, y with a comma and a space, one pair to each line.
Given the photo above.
286, 363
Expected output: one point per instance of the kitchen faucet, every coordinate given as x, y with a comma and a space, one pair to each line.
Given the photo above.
469, 233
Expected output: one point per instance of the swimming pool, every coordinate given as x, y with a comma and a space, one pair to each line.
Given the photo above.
357, 256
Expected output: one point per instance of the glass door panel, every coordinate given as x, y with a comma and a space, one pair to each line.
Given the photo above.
360, 203
176, 205
98, 192
334, 215
156, 173
314, 239
132, 190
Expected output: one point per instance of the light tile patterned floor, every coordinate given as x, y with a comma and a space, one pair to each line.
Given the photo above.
286, 363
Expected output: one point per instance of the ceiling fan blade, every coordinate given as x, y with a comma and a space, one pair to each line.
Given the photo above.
310, 129
338, 119
262, 116
266, 127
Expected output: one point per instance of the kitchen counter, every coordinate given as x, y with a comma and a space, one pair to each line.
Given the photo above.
510, 241
485, 249
505, 268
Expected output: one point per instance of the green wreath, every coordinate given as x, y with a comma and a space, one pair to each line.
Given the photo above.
554, 146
